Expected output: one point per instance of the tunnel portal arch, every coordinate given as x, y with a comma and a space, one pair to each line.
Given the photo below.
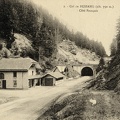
87, 71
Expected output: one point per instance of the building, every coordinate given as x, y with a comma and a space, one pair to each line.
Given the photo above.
50, 79
18, 73
60, 68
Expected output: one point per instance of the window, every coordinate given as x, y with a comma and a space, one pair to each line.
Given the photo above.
14, 74
14, 83
1, 76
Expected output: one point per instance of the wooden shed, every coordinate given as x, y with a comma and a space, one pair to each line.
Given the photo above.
50, 79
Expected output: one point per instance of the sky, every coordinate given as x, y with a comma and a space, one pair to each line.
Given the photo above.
99, 25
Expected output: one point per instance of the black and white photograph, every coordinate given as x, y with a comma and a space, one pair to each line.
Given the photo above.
59, 60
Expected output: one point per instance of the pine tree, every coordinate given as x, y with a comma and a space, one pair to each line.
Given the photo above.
6, 22
100, 65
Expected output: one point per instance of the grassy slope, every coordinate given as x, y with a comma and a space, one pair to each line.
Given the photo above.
109, 77
78, 107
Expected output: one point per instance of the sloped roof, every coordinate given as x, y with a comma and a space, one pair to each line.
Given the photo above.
16, 64
34, 77
61, 68
38, 66
54, 74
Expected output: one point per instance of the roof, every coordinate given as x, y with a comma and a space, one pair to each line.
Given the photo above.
61, 68
16, 64
37, 65
54, 74
34, 77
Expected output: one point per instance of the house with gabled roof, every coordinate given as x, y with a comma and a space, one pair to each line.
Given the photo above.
50, 79
18, 73
60, 68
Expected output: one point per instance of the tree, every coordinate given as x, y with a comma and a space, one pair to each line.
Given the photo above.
100, 65
113, 47
6, 22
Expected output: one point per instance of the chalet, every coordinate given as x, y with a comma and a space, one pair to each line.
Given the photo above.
60, 68
50, 79
18, 73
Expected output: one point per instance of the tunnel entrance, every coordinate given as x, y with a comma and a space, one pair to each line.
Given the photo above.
86, 71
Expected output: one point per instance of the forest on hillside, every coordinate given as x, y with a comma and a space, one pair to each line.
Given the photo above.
41, 28
108, 73
115, 45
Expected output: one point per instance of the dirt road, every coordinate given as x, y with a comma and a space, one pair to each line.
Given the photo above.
36, 100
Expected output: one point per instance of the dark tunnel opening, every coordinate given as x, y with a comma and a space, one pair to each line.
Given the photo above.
86, 71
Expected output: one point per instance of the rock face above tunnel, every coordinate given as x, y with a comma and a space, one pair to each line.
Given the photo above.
72, 53
85, 69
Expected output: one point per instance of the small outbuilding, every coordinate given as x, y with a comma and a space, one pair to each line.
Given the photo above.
50, 79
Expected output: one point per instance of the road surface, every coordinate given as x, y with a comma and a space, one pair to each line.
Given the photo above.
31, 106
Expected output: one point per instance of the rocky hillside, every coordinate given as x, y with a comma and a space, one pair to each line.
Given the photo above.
69, 54
29, 30
75, 54
109, 76
67, 51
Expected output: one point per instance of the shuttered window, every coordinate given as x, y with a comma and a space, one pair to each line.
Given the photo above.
14, 74
14, 83
1, 76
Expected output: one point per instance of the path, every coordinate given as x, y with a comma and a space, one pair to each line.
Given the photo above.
29, 107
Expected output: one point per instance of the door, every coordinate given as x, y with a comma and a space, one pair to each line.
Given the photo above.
4, 84
48, 81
